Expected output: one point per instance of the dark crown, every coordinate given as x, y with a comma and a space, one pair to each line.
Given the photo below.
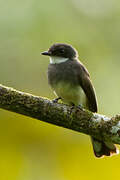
62, 50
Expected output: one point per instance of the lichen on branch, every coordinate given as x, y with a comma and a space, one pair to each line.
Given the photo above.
84, 121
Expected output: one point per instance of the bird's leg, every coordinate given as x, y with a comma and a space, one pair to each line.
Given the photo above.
56, 100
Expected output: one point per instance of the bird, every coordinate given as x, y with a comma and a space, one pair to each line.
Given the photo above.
71, 82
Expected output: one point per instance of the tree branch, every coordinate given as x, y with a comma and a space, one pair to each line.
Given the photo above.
96, 125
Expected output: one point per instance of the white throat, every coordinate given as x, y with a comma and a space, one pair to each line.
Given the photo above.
57, 60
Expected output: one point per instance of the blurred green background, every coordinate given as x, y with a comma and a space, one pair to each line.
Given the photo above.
31, 149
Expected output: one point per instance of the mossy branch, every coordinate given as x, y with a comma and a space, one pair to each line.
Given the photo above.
96, 125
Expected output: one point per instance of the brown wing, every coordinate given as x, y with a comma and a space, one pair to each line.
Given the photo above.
86, 84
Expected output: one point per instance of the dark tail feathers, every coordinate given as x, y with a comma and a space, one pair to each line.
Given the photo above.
103, 148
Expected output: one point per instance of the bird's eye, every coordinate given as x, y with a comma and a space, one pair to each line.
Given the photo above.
62, 51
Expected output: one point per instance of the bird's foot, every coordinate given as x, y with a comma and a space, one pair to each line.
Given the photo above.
73, 106
56, 100
80, 107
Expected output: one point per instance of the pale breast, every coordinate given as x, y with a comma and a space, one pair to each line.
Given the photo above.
70, 94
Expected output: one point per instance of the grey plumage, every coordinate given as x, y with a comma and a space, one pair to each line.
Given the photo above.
70, 80
70, 73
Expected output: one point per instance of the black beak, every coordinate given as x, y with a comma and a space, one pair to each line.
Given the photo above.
46, 53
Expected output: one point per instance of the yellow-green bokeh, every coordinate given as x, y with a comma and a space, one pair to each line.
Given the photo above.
31, 149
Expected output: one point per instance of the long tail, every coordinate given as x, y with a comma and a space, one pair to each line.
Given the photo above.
103, 148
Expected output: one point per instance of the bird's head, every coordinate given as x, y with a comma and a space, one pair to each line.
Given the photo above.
61, 50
